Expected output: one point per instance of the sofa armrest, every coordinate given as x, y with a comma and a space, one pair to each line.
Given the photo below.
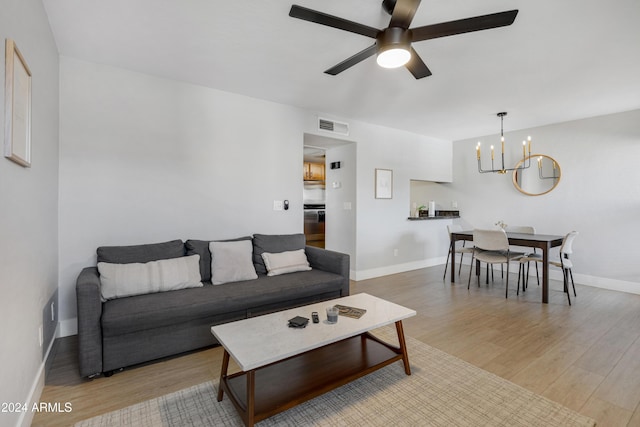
331, 261
89, 303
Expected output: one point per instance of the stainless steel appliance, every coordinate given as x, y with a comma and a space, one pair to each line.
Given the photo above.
313, 193
314, 221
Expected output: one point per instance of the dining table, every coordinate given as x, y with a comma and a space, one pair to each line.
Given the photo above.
542, 241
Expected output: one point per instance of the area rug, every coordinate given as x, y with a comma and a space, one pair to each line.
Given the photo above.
442, 391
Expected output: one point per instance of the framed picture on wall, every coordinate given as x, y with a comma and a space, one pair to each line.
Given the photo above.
384, 184
17, 106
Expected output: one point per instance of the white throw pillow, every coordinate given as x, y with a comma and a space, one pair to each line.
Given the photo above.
231, 261
285, 262
122, 280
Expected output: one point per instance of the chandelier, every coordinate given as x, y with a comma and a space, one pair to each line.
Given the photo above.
526, 161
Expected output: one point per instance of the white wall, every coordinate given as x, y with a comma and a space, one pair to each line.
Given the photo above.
598, 194
382, 223
145, 159
341, 201
28, 214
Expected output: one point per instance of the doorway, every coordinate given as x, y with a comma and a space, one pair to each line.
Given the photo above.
335, 192
314, 195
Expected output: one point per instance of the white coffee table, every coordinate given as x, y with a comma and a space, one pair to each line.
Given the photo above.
283, 367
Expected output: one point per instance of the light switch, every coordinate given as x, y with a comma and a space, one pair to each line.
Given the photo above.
346, 206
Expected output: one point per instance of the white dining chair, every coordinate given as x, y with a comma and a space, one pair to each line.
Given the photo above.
492, 247
455, 228
566, 250
527, 258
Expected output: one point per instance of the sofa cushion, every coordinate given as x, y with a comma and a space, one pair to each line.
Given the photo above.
141, 312
141, 253
231, 262
201, 247
274, 243
121, 280
285, 262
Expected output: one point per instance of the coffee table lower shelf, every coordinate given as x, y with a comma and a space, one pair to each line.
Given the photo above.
287, 383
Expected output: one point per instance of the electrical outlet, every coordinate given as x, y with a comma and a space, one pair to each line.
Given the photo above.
40, 336
395, 252
278, 205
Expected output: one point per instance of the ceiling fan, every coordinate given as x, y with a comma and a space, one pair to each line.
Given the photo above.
393, 44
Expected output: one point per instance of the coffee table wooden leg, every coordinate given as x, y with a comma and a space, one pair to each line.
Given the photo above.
251, 385
403, 347
223, 373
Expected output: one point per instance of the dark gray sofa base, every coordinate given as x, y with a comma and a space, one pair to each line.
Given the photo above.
133, 330
139, 347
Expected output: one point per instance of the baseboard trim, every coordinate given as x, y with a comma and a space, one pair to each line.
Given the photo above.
604, 283
26, 417
397, 268
555, 274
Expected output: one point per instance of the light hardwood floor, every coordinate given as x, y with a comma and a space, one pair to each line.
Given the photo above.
586, 356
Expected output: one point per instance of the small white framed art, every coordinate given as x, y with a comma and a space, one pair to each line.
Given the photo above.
384, 184
17, 106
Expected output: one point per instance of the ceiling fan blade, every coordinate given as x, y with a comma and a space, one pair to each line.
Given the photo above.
350, 62
332, 21
403, 13
477, 23
417, 66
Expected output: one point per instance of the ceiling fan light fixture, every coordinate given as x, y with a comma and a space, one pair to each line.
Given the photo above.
393, 47
395, 40
394, 57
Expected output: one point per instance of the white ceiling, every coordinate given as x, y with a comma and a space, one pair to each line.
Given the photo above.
559, 61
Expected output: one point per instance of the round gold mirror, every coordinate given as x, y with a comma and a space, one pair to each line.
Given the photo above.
541, 176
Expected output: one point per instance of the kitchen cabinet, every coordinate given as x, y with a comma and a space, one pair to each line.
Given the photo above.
313, 171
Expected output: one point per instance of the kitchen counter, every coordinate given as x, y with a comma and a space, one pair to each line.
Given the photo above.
424, 215
422, 218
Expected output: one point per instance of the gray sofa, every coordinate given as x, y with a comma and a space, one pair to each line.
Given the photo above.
121, 332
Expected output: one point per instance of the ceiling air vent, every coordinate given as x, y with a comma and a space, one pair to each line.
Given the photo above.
333, 126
